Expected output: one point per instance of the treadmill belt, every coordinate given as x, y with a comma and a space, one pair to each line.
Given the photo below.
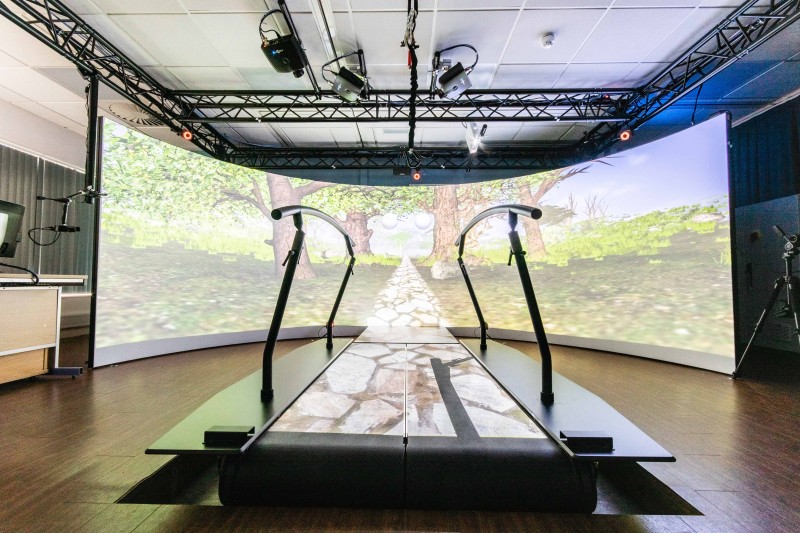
408, 425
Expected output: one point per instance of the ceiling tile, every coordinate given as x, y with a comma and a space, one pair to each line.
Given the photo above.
35, 86
479, 4
457, 27
228, 6
82, 7
770, 85
570, 27
567, 3
346, 135
579, 75
696, 25
212, 78
121, 40
383, 33
171, 39
261, 134
53, 116
75, 111
658, 3
541, 132
16, 43
442, 134
243, 51
304, 134
139, 6
266, 79
527, 76
613, 41
72, 80
388, 5
8, 61
643, 73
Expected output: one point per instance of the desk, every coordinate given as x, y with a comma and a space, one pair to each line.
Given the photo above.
30, 320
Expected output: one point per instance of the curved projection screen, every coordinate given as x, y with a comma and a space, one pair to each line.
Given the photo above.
632, 253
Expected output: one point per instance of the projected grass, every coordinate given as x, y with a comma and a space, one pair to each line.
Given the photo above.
633, 248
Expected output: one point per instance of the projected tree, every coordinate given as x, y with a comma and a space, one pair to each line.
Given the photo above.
531, 190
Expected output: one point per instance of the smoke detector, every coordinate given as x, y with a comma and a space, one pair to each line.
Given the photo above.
134, 114
548, 39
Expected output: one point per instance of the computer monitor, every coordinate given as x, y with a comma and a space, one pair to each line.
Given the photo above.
10, 224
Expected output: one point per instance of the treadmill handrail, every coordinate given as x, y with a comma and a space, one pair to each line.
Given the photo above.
281, 212
519, 209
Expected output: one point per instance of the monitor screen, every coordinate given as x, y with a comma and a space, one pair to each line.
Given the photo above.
10, 223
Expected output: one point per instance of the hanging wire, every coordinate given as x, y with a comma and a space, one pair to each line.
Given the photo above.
411, 43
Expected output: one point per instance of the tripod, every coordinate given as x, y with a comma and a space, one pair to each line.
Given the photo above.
792, 284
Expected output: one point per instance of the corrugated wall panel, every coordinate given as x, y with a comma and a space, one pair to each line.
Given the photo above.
22, 178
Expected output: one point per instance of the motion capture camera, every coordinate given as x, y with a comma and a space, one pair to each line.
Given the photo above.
792, 241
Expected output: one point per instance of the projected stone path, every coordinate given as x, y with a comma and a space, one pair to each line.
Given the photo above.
406, 300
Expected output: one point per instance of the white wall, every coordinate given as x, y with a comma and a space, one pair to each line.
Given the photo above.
30, 133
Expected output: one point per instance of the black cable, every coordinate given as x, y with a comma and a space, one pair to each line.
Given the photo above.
34, 275
37, 243
411, 43
472, 66
696, 98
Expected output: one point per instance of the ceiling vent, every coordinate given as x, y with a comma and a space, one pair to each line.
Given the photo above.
133, 114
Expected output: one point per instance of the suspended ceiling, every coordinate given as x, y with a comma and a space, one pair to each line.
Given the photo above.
214, 45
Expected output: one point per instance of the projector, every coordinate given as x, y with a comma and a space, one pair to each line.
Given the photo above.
348, 85
284, 54
454, 81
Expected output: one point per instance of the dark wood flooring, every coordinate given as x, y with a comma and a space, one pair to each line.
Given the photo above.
69, 448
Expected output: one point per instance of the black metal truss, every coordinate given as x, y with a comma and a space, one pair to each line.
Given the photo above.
59, 28
518, 158
746, 28
614, 109
529, 105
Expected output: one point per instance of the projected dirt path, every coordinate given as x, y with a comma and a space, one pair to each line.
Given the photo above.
406, 300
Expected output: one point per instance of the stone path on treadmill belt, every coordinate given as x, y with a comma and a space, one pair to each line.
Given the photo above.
406, 300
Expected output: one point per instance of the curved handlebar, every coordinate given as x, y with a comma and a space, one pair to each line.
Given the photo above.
281, 212
518, 209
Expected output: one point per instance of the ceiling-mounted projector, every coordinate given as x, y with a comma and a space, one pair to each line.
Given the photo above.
453, 81
283, 51
348, 85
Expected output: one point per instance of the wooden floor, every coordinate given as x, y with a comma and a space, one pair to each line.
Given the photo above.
70, 448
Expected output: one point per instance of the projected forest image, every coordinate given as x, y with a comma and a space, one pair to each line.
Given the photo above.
634, 248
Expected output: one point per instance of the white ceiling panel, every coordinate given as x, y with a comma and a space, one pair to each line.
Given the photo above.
450, 134
245, 51
302, 134
657, 3
697, 24
8, 61
82, 7
72, 80
266, 79
479, 4
211, 78
576, 132
643, 73
595, 75
74, 111
346, 135
570, 27
388, 5
571, 4
139, 6
614, 41
36, 86
458, 27
166, 78
396, 77
382, 33
53, 116
173, 40
228, 6
260, 134
527, 76
541, 132
116, 36
16, 43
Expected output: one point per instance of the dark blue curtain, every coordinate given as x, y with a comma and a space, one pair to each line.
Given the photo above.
765, 156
